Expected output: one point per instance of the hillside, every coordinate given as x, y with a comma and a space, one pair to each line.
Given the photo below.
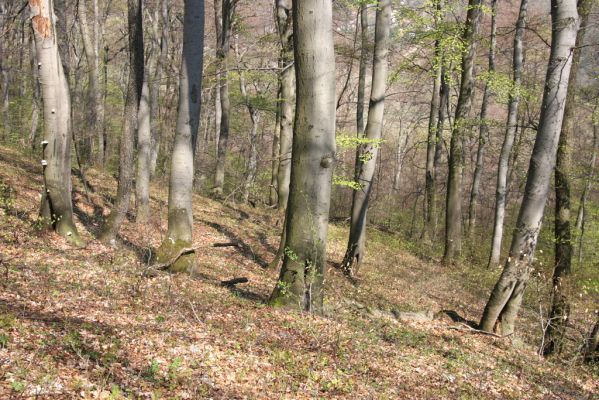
84, 323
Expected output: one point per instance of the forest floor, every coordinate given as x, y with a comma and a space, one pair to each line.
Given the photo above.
83, 323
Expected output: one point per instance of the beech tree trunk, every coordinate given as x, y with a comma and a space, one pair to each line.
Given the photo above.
366, 162
510, 134
431, 143
365, 45
56, 205
581, 214
559, 316
126, 156
300, 285
180, 214
453, 218
506, 297
224, 28
285, 27
144, 143
483, 136
92, 54
274, 164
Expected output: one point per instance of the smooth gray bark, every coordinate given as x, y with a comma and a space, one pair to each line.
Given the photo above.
510, 134
506, 297
144, 139
453, 216
364, 52
56, 205
274, 164
285, 28
91, 48
126, 153
483, 135
300, 284
581, 214
224, 28
180, 214
559, 316
366, 162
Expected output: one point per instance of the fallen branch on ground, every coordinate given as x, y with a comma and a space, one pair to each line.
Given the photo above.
473, 330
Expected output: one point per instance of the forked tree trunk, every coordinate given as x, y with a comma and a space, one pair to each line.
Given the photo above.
285, 27
180, 215
431, 142
453, 218
300, 285
56, 206
126, 156
483, 136
506, 297
510, 134
366, 162
559, 316
224, 26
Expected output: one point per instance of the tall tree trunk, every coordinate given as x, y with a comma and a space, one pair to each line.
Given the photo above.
134, 87
92, 54
581, 214
443, 109
156, 120
224, 30
300, 285
362, 71
274, 164
510, 133
56, 205
453, 219
180, 215
366, 162
483, 136
36, 96
505, 300
559, 316
431, 143
285, 27
144, 138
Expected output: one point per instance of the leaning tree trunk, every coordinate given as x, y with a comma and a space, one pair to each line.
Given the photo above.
433, 119
510, 134
300, 285
224, 29
56, 206
505, 300
180, 216
366, 162
483, 136
559, 316
134, 87
285, 27
453, 218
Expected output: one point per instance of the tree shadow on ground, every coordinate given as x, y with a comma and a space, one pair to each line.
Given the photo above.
455, 317
243, 248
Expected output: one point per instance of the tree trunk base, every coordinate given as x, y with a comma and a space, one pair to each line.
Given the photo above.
173, 257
